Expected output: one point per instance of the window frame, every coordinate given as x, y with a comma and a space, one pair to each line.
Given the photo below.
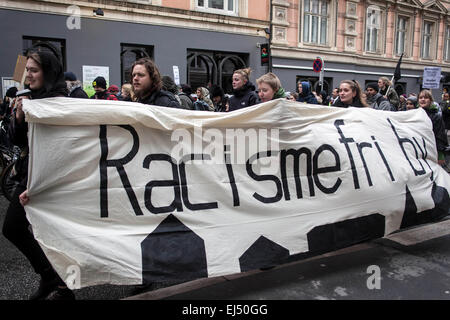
320, 17
447, 43
379, 34
431, 51
36, 39
406, 35
205, 7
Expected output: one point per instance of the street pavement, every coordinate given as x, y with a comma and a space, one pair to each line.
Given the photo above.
412, 264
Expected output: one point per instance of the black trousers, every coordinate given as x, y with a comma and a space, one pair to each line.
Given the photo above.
16, 229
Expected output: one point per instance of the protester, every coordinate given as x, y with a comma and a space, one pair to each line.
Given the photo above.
74, 86
5, 109
185, 98
324, 97
127, 93
386, 90
187, 90
113, 89
445, 108
99, 85
203, 102
304, 93
45, 79
350, 95
375, 99
334, 96
147, 85
170, 86
426, 102
244, 94
411, 103
269, 87
219, 99
402, 105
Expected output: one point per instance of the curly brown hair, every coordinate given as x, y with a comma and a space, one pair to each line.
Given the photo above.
155, 75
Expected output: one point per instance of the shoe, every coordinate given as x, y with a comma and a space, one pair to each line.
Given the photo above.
45, 288
61, 294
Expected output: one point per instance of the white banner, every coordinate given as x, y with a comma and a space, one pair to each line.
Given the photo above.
120, 193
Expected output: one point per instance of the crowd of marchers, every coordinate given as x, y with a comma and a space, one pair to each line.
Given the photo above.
46, 78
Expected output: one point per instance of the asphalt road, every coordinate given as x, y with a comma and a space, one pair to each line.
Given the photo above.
18, 280
414, 264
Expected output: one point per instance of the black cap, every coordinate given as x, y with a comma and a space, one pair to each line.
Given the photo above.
11, 92
372, 85
70, 76
99, 82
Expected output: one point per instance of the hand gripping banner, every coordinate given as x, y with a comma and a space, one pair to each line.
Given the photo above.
124, 193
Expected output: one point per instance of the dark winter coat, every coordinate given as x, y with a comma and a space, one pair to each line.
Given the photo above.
243, 97
379, 102
186, 102
161, 98
77, 92
356, 103
307, 96
54, 86
438, 127
445, 107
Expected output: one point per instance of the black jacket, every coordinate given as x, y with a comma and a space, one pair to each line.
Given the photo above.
438, 128
243, 97
54, 86
356, 103
78, 92
161, 98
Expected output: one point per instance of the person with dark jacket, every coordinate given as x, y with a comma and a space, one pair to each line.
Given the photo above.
375, 99
445, 108
74, 86
325, 98
304, 93
219, 99
411, 103
45, 79
350, 95
387, 91
147, 85
171, 86
101, 93
5, 105
244, 94
426, 102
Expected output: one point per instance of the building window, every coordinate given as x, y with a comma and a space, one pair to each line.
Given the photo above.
57, 46
218, 6
315, 24
129, 53
207, 68
447, 44
373, 27
401, 35
427, 40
